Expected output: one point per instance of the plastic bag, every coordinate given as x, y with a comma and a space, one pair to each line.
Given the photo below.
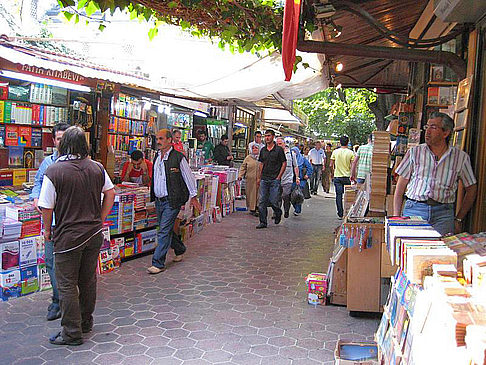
297, 196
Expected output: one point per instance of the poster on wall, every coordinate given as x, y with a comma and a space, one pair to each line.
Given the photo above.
463, 92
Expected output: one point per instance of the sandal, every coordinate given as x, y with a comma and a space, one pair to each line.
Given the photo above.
58, 340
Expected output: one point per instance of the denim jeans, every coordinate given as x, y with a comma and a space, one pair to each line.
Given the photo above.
269, 196
51, 270
339, 183
166, 217
360, 181
441, 217
315, 178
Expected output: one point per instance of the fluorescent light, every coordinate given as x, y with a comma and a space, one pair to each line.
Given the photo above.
167, 109
240, 125
160, 108
40, 80
147, 105
200, 114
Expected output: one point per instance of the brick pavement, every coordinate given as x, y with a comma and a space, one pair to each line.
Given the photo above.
237, 298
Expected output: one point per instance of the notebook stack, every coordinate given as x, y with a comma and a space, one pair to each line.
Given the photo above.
379, 171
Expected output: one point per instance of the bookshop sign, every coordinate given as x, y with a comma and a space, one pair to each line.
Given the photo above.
65, 75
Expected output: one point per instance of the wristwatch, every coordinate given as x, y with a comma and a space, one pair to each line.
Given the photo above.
458, 220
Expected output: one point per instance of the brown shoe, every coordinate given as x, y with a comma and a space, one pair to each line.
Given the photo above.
178, 258
155, 270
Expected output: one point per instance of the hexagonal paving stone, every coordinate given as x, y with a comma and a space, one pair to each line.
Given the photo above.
129, 339
202, 335
276, 360
244, 330
155, 341
217, 356
321, 355
176, 333
246, 359
282, 341
254, 339
135, 349
271, 332
104, 337
264, 350
293, 352
109, 359
237, 347
138, 359
188, 354
182, 343
106, 347
209, 345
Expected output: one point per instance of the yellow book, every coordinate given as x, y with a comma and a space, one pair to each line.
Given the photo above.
2, 108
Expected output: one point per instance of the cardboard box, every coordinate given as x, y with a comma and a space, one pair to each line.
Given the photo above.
29, 280
10, 284
356, 353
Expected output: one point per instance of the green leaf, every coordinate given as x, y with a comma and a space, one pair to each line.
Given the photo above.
76, 20
184, 24
172, 5
133, 14
305, 65
101, 27
152, 33
91, 8
81, 3
68, 15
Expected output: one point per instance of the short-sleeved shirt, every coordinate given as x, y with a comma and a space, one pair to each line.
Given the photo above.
317, 156
342, 158
365, 154
272, 162
136, 176
433, 179
208, 149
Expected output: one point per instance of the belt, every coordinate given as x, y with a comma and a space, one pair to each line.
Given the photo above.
429, 201
163, 199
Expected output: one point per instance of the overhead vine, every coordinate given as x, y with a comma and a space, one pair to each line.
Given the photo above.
241, 25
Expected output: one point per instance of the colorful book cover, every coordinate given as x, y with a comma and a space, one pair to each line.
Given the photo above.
25, 134
2, 135
11, 135
2, 109
29, 159
16, 156
36, 137
7, 113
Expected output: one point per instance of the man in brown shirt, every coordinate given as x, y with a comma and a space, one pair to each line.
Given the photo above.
72, 189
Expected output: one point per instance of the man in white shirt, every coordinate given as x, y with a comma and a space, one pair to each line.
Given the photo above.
173, 184
317, 158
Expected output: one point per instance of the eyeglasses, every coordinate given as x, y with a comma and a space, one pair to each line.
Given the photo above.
431, 127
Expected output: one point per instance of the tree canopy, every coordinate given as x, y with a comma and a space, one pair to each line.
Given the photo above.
242, 25
333, 113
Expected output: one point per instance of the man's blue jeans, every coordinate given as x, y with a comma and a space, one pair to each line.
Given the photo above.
339, 183
441, 217
269, 196
166, 217
51, 270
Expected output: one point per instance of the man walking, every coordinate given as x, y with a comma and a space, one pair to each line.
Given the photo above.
326, 174
272, 166
72, 188
257, 141
222, 154
341, 160
362, 162
172, 186
54, 309
430, 173
291, 171
316, 158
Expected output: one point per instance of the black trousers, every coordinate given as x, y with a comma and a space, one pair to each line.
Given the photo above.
76, 280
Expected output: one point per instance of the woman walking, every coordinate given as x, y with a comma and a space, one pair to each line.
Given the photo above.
305, 170
249, 171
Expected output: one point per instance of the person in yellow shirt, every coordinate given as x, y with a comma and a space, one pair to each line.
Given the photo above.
341, 160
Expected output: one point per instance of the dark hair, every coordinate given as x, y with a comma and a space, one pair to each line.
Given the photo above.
447, 123
174, 131
344, 140
258, 132
202, 132
73, 142
270, 131
59, 127
224, 137
136, 155
329, 144
370, 137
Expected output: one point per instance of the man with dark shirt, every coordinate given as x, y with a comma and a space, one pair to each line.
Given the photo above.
272, 166
222, 154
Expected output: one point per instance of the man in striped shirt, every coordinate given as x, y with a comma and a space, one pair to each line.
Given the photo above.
430, 173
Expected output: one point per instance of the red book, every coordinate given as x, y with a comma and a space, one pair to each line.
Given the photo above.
25, 136
11, 135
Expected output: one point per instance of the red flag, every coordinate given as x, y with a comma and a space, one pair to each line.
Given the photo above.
289, 36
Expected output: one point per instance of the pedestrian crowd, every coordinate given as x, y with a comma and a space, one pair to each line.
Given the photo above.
75, 195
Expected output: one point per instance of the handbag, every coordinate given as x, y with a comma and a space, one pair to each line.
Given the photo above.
297, 196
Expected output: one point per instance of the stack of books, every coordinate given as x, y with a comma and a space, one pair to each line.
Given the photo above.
379, 171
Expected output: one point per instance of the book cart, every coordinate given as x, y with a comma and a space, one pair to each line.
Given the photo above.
359, 268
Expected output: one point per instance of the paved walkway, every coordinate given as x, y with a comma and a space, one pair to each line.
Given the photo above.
237, 298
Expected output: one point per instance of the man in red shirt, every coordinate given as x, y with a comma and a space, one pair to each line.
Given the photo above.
138, 169
177, 144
